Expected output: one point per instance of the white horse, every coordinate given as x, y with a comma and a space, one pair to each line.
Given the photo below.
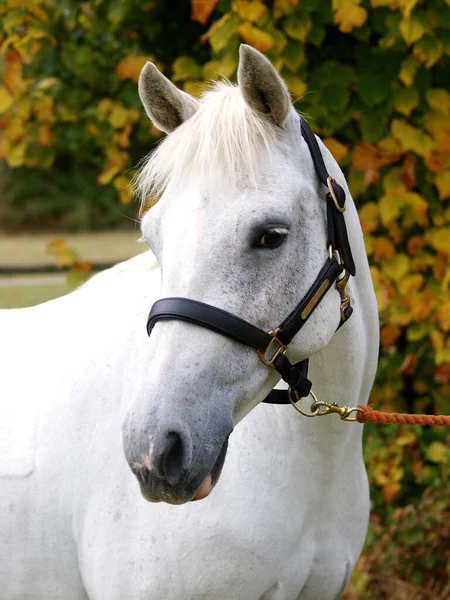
240, 225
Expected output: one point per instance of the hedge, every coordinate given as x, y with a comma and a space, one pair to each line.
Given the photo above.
372, 78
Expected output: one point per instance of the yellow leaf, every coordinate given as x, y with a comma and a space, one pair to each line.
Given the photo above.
396, 268
439, 126
6, 100
108, 174
195, 88
16, 129
410, 283
406, 437
429, 50
130, 67
249, 10
44, 109
338, 150
437, 452
411, 30
296, 86
439, 100
201, 9
118, 116
65, 257
411, 138
185, 67
437, 339
37, 11
283, 7
122, 185
439, 238
408, 70
368, 216
16, 154
46, 83
220, 68
257, 38
406, 100
350, 15
390, 208
442, 182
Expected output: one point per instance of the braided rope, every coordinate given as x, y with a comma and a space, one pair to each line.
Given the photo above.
368, 414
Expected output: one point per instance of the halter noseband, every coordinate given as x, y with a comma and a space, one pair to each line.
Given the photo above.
272, 347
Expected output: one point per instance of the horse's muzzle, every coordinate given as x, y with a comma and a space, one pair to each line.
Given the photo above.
169, 472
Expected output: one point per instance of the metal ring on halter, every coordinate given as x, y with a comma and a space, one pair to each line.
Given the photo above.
333, 195
303, 412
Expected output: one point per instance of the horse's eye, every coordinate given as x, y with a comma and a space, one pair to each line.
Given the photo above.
272, 238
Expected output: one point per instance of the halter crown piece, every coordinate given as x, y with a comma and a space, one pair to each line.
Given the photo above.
272, 347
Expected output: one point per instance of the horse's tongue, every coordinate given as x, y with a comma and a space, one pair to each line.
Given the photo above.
205, 489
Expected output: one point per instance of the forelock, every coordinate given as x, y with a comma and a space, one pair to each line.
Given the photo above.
223, 137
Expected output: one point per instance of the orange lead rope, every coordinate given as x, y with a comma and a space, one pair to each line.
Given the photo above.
366, 413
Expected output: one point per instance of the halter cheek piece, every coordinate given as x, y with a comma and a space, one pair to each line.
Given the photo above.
272, 347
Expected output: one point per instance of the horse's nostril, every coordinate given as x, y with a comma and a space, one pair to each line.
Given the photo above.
173, 459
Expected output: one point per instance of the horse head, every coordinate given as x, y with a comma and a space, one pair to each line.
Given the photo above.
241, 225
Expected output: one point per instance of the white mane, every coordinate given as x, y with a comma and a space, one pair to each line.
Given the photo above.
222, 136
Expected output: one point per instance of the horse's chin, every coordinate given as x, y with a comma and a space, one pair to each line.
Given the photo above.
198, 488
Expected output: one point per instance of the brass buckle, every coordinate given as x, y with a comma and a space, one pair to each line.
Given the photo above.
275, 347
333, 195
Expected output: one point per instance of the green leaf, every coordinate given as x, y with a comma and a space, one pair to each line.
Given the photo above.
293, 55
297, 26
405, 100
185, 67
373, 87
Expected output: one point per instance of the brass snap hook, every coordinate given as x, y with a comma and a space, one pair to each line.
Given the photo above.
320, 408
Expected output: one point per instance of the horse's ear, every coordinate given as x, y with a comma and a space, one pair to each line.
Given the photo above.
263, 89
165, 104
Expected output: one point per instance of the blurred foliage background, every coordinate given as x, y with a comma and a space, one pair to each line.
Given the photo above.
372, 78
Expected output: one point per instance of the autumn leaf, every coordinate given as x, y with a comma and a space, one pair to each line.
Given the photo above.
250, 10
411, 29
396, 268
408, 365
442, 182
201, 10
438, 452
411, 138
257, 38
130, 67
118, 117
338, 150
368, 216
122, 185
45, 136
389, 492
65, 256
389, 335
185, 67
6, 100
439, 238
439, 100
296, 86
350, 15
383, 248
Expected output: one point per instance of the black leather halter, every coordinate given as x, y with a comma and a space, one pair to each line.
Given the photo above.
272, 346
